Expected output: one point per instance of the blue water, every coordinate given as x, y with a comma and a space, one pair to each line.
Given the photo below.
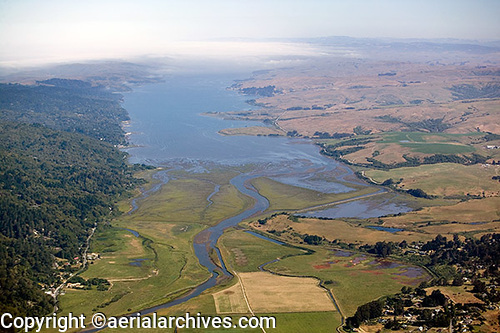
133, 232
137, 262
388, 229
166, 125
359, 209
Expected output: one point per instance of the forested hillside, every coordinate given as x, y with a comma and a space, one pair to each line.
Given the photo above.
54, 185
68, 105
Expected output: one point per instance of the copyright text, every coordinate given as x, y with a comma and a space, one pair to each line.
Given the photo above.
100, 320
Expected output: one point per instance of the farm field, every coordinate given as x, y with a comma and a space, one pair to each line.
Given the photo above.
263, 288
285, 322
268, 293
231, 300
353, 278
390, 148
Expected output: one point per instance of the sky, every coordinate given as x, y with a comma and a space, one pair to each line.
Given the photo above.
57, 30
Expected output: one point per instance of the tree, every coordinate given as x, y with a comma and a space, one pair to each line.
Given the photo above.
313, 239
373, 309
383, 249
419, 193
436, 298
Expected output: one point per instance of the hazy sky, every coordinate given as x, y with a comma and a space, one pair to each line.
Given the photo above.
68, 29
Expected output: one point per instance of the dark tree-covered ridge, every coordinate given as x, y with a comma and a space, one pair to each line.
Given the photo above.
53, 187
60, 173
67, 105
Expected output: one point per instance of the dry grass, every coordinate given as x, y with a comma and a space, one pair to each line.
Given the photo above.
457, 294
483, 210
268, 293
230, 300
336, 229
353, 94
445, 179
451, 228
491, 324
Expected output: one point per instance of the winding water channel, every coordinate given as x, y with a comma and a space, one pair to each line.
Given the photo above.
168, 131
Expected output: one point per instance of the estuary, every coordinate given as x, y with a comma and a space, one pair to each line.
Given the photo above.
166, 130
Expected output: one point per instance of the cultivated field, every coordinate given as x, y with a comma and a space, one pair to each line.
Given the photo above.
231, 300
353, 278
268, 293
396, 147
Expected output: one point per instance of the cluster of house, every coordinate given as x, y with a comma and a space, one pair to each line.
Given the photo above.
410, 321
93, 256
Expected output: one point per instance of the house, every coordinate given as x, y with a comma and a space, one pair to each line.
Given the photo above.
93, 256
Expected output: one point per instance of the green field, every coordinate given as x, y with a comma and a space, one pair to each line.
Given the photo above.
167, 221
173, 270
394, 147
306, 322
120, 247
355, 279
185, 201
438, 148
353, 283
397, 137
432, 143
285, 322
245, 252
